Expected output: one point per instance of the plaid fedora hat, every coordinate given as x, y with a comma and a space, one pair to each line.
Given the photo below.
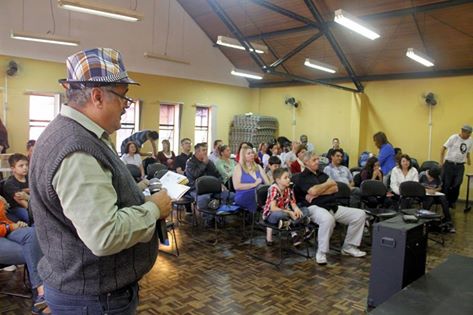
97, 66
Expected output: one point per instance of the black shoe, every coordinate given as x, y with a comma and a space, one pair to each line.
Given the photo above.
269, 243
308, 234
296, 240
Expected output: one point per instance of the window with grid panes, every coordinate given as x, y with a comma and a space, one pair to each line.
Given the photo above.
202, 124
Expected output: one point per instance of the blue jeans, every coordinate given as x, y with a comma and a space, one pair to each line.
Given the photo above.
275, 216
21, 247
122, 301
18, 214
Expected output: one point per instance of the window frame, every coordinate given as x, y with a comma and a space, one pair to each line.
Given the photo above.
135, 126
37, 122
207, 127
174, 128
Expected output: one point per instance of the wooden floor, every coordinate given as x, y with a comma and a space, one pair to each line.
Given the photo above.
224, 280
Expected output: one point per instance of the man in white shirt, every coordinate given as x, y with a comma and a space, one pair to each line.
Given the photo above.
214, 155
305, 141
340, 173
458, 148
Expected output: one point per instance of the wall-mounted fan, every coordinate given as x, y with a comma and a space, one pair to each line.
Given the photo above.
291, 101
430, 99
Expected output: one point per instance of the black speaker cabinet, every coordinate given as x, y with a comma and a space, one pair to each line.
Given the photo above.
398, 257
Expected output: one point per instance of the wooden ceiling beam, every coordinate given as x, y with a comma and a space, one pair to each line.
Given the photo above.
335, 46
387, 14
280, 32
408, 75
296, 50
218, 10
413, 10
285, 12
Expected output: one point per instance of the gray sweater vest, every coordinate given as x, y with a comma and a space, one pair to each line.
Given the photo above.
68, 265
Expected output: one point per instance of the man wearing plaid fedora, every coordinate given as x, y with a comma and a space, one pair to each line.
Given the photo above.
95, 227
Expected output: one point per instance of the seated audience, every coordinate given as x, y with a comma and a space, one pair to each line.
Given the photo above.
298, 166
245, 145
19, 245
262, 148
430, 179
281, 208
140, 137
215, 154
403, 172
197, 166
274, 163
305, 141
291, 155
315, 191
372, 170
340, 173
132, 156
386, 156
182, 158
225, 165
273, 150
336, 146
247, 176
16, 189
29, 148
166, 156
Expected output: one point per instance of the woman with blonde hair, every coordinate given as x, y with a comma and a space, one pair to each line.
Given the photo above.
247, 176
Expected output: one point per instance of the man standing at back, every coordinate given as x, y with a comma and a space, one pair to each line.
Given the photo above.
458, 148
139, 138
95, 227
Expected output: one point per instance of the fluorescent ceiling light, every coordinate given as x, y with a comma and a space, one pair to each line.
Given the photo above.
234, 43
319, 65
105, 10
247, 74
356, 25
419, 57
49, 39
166, 58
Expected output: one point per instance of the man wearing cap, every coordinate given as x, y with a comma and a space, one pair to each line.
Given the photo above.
95, 227
458, 148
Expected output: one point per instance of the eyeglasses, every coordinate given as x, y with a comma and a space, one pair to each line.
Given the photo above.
128, 100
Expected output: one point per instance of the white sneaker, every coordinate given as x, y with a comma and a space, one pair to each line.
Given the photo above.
353, 251
9, 268
321, 258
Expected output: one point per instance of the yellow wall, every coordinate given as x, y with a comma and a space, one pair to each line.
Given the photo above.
398, 109
34, 75
324, 113
395, 107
